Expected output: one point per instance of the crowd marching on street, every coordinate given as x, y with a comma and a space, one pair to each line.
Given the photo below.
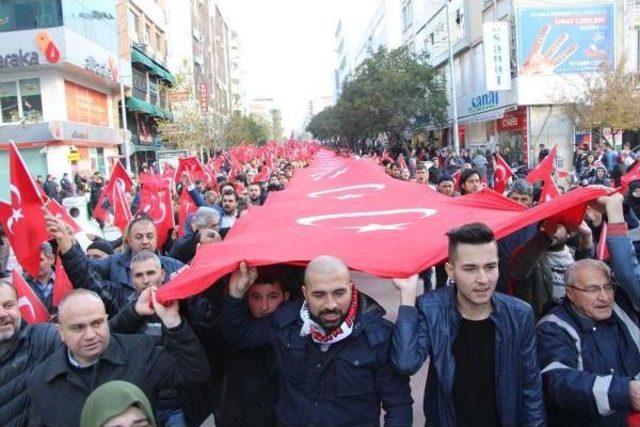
531, 327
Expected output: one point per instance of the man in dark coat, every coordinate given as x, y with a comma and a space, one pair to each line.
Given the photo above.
22, 348
331, 350
93, 356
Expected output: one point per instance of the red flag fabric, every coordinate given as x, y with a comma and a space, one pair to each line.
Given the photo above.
633, 419
501, 174
187, 207
456, 180
632, 174
602, 252
544, 169
23, 219
31, 308
58, 211
350, 208
112, 207
61, 285
155, 201
168, 171
549, 191
263, 176
401, 162
196, 169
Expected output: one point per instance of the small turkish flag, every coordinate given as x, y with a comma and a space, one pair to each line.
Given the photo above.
456, 180
155, 201
544, 169
112, 207
632, 174
549, 191
196, 170
187, 207
61, 285
23, 219
501, 174
59, 212
31, 308
263, 176
602, 251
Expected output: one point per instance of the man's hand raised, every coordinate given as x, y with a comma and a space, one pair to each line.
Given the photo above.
241, 280
408, 289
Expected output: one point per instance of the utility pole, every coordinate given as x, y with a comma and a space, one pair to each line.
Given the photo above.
454, 96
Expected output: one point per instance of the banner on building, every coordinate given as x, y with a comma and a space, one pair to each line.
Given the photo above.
497, 55
565, 39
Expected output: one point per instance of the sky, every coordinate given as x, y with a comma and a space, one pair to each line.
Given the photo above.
288, 48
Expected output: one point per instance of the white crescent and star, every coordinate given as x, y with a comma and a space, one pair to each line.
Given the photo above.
320, 194
24, 302
373, 226
16, 215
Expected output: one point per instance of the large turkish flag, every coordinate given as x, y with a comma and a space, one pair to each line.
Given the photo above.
351, 209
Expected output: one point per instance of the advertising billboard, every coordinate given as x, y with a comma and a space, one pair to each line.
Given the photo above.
565, 39
497, 55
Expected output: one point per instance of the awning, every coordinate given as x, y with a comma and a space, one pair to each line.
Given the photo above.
153, 66
487, 116
135, 104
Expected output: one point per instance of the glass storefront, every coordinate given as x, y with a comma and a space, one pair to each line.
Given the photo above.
20, 99
16, 15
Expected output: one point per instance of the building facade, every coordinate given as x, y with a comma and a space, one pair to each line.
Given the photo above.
59, 71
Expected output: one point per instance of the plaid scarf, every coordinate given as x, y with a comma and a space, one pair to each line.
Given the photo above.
319, 335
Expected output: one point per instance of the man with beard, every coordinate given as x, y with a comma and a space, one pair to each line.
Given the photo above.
92, 356
332, 350
481, 344
470, 181
255, 194
229, 211
537, 268
22, 348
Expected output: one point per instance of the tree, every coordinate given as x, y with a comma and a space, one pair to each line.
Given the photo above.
608, 99
394, 93
191, 128
246, 129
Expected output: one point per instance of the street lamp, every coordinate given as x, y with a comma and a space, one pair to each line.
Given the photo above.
454, 99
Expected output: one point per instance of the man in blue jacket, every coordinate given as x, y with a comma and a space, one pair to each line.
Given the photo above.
589, 347
331, 350
483, 367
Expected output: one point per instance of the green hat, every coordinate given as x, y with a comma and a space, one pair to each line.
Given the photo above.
112, 399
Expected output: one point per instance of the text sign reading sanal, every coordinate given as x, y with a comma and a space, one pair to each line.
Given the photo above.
497, 55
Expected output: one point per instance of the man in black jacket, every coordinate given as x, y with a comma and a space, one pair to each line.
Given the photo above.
22, 348
92, 356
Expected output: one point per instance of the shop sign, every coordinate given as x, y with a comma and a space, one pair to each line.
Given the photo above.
513, 120
497, 55
80, 134
25, 57
106, 70
485, 102
203, 96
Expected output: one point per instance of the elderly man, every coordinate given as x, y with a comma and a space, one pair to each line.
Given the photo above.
205, 224
331, 349
22, 348
92, 356
588, 347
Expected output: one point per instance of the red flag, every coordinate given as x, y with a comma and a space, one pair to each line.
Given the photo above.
112, 207
350, 208
187, 207
168, 171
155, 201
23, 219
196, 170
549, 191
632, 174
633, 419
31, 308
263, 176
501, 174
544, 169
58, 211
61, 285
602, 251
456, 180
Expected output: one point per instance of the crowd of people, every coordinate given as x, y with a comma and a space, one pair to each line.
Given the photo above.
531, 329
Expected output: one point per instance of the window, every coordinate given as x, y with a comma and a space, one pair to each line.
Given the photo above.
407, 15
86, 105
146, 35
29, 14
159, 45
133, 25
20, 99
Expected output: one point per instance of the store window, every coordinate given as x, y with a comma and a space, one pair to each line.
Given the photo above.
86, 105
18, 15
20, 99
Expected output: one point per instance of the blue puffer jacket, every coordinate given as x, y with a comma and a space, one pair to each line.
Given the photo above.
116, 268
430, 331
343, 386
587, 365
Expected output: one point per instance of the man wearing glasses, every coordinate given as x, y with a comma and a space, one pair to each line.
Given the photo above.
589, 347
